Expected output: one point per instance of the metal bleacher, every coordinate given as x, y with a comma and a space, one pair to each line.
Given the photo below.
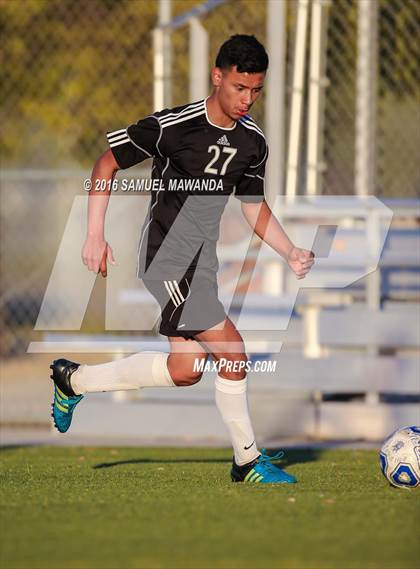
348, 367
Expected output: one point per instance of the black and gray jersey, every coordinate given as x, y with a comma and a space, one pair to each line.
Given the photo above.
198, 165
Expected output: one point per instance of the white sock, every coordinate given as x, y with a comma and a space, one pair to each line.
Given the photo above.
146, 369
231, 400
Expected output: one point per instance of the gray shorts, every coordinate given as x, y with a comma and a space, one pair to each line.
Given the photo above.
189, 306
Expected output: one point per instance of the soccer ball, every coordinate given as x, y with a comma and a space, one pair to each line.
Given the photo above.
400, 458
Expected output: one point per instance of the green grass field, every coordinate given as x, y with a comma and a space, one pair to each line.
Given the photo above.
149, 507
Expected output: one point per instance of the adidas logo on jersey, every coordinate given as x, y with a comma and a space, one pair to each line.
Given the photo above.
223, 140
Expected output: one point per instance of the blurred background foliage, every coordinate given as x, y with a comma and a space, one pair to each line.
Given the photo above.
73, 69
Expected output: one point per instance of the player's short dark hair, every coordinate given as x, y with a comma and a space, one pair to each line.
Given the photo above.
244, 51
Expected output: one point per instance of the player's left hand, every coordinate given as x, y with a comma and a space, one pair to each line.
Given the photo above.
300, 261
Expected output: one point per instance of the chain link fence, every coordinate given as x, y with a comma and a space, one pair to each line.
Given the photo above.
72, 70
398, 133
340, 98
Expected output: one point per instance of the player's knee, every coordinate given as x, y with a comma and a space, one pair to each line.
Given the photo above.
184, 378
233, 367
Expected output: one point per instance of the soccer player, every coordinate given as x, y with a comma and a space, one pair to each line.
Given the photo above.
202, 153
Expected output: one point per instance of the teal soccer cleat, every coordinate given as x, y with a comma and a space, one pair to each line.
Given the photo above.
65, 400
262, 471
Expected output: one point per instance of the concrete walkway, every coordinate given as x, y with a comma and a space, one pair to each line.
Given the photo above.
40, 436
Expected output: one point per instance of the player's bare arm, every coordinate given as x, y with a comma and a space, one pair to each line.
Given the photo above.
96, 251
267, 227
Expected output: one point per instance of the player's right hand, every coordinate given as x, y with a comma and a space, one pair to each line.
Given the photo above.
95, 255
